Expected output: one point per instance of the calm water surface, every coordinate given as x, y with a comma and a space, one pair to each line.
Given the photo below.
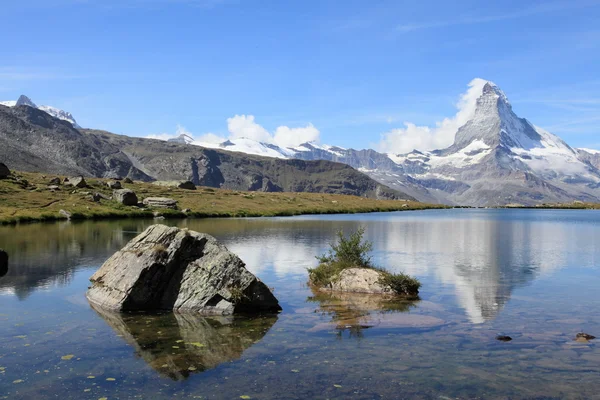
530, 274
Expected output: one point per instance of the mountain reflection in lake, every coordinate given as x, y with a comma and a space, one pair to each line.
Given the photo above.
529, 274
178, 345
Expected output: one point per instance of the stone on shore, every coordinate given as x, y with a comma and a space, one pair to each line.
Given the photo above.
167, 268
114, 185
77, 181
160, 202
4, 171
126, 197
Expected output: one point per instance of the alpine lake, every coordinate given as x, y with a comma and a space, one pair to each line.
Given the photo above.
530, 274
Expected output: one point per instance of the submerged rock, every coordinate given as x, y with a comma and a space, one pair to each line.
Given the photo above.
503, 338
125, 196
167, 268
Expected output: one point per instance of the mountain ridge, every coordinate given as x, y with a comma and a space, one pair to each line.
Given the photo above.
32, 140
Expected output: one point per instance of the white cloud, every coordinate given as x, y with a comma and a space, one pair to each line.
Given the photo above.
291, 137
404, 140
244, 126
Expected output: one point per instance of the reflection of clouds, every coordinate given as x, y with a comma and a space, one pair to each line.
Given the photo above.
284, 256
485, 258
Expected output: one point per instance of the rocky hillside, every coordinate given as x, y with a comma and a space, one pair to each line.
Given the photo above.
32, 140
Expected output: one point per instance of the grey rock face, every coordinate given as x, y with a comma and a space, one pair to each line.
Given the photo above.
167, 268
77, 181
4, 171
114, 184
125, 196
160, 202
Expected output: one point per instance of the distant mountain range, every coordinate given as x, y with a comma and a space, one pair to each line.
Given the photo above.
497, 158
34, 140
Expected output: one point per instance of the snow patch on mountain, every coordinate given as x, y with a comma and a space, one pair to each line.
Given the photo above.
53, 111
590, 151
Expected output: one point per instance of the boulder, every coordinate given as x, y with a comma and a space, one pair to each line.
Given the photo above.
4, 171
359, 280
77, 181
160, 202
3, 263
114, 185
127, 180
125, 196
189, 185
167, 268
99, 196
54, 181
65, 214
53, 187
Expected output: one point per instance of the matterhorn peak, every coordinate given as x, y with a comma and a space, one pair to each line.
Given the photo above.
25, 101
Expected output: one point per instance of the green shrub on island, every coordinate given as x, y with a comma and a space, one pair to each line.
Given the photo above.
352, 251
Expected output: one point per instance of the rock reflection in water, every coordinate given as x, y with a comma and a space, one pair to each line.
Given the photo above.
178, 345
355, 312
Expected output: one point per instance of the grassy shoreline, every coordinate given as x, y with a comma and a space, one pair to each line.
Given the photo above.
27, 199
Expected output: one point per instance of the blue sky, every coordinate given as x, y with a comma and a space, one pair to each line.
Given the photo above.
353, 70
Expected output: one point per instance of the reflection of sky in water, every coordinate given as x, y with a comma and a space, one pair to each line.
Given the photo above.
530, 274
482, 254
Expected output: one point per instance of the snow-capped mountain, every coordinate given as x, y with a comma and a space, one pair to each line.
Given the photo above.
55, 112
497, 158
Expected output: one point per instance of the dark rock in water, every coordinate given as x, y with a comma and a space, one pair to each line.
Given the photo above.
114, 185
3, 263
187, 185
4, 171
503, 338
127, 180
585, 336
167, 268
160, 202
77, 181
125, 196
54, 181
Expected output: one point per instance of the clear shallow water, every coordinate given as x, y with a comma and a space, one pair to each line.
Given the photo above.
530, 274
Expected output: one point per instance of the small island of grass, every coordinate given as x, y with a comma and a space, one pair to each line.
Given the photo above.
347, 267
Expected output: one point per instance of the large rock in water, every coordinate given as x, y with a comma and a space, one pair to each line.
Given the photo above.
167, 268
360, 280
